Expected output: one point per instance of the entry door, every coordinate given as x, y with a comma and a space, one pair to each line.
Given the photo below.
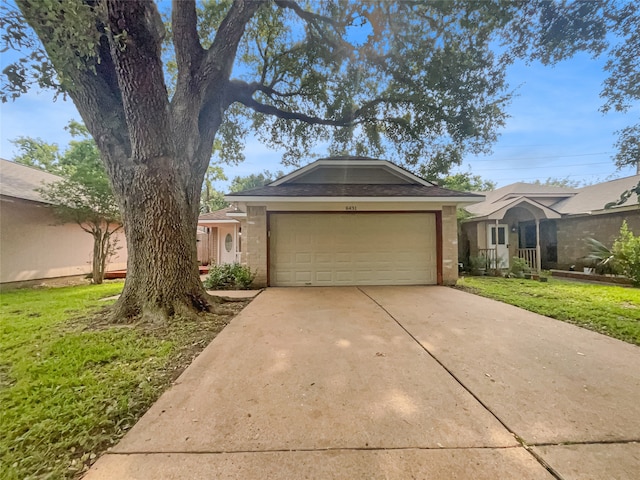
497, 238
227, 244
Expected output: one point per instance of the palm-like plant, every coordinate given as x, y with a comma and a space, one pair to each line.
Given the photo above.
601, 256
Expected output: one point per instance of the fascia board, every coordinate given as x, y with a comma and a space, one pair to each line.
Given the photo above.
266, 199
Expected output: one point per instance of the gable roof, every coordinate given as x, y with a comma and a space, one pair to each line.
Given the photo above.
218, 216
518, 190
354, 178
352, 169
559, 201
20, 181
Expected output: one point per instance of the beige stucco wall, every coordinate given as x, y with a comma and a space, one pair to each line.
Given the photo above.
33, 246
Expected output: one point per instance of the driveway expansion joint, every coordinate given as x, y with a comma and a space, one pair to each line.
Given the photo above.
519, 439
308, 450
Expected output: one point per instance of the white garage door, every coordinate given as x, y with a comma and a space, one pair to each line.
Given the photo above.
352, 249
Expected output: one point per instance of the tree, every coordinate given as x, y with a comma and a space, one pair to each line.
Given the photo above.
466, 182
622, 89
418, 82
84, 195
36, 153
212, 199
560, 182
239, 184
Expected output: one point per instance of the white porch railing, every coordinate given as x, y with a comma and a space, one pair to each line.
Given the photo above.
530, 256
489, 254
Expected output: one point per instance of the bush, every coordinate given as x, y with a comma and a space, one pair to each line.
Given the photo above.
626, 250
519, 267
229, 276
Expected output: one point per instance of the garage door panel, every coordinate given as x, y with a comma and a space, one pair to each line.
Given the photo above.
353, 249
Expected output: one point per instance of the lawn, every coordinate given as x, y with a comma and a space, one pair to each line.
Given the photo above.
612, 310
71, 385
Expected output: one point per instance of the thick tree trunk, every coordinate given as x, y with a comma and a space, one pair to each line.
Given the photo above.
160, 222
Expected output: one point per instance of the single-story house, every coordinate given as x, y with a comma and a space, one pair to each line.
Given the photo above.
219, 237
350, 221
546, 225
34, 245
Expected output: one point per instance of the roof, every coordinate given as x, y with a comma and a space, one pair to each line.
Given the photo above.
497, 199
557, 200
350, 190
595, 197
218, 216
20, 181
358, 178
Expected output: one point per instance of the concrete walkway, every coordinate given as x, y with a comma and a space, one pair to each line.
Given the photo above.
392, 383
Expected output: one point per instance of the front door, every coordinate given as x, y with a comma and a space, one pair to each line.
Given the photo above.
497, 239
227, 244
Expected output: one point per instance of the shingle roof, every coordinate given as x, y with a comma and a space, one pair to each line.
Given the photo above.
595, 197
20, 181
575, 201
350, 190
217, 215
519, 189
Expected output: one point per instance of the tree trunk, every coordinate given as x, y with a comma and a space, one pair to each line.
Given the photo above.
160, 221
99, 257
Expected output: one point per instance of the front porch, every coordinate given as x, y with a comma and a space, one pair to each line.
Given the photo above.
520, 229
529, 255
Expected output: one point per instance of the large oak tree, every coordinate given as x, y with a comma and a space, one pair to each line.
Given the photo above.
420, 82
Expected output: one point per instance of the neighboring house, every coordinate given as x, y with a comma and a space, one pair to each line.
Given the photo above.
547, 226
33, 244
350, 221
219, 237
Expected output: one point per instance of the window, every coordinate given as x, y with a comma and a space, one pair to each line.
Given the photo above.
228, 242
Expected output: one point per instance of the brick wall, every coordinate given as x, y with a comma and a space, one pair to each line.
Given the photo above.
449, 246
254, 238
572, 233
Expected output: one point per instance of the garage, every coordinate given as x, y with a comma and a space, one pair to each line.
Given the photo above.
373, 248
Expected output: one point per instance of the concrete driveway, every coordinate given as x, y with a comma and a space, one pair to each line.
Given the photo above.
392, 383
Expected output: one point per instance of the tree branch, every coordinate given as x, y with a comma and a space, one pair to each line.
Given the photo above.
242, 92
305, 15
184, 21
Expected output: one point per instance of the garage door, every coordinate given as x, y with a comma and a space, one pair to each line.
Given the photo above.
352, 249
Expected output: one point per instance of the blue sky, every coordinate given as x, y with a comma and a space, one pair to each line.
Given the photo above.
555, 128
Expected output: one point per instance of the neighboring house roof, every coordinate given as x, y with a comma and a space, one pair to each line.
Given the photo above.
218, 216
554, 201
353, 178
595, 197
20, 181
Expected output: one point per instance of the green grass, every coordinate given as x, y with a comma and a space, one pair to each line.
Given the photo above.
612, 310
72, 385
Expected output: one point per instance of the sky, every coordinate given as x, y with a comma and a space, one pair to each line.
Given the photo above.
555, 128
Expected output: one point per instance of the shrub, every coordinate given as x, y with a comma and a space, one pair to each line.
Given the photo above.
602, 259
626, 250
519, 267
229, 277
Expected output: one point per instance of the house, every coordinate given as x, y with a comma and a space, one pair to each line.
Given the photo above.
545, 225
219, 237
33, 243
350, 221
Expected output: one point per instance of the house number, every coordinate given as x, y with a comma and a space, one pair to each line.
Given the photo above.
350, 208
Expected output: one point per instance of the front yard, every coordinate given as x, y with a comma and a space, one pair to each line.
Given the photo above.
612, 310
71, 385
